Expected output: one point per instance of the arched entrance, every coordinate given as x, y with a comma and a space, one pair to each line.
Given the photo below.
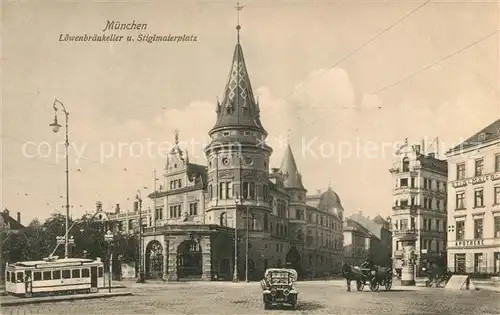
293, 259
154, 260
189, 260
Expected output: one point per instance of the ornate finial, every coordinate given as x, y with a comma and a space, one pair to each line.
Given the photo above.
406, 141
187, 156
238, 8
176, 137
288, 136
330, 184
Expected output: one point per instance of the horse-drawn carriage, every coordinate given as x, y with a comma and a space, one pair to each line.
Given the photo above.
278, 287
375, 277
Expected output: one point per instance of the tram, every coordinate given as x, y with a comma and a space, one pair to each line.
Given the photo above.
54, 276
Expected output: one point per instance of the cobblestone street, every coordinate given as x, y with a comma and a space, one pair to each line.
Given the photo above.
315, 298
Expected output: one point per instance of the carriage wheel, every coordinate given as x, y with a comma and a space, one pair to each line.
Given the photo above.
388, 285
374, 285
360, 285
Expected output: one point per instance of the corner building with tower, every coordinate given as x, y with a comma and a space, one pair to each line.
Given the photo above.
235, 204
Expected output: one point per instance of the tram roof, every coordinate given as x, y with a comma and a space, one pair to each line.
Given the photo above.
48, 263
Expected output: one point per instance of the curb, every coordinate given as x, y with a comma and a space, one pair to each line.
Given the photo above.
52, 299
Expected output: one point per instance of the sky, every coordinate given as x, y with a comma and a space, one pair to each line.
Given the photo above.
343, 80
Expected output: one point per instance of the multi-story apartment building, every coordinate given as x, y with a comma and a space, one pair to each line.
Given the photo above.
474, 207
420, 203
380, 237
234, 217
357, 242
9, 226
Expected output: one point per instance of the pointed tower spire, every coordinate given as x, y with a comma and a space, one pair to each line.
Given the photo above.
238, 8
293, 179
238, 107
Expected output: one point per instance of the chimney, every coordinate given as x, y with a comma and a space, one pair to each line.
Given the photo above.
117, 208
19, 217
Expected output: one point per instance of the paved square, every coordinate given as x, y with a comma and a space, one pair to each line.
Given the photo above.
318, 297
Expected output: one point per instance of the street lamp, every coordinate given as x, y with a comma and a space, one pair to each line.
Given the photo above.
55, 127
109, 237
138, 198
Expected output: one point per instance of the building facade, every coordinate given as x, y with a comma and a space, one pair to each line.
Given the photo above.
420, 203
474, 210
357, 242
234, 218
380, 246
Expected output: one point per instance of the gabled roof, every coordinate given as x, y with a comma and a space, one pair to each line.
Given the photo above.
238, 107
491, 132
10, 221
293, 179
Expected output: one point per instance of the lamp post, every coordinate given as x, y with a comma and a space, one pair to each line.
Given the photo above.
138, 198
109, 237
55, 127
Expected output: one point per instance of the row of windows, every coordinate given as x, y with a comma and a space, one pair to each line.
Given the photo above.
402, 225
428, 183
427, 203
478, 167
54, 275
323, 221
478, 198
175, 184
250, 190
478, 229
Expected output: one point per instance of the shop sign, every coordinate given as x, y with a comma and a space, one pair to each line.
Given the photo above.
467, 243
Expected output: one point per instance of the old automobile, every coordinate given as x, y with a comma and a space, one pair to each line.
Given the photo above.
279, 287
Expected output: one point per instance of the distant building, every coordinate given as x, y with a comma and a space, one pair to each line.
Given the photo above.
474, 207
9, 227
357, 242
420, 203
380, 237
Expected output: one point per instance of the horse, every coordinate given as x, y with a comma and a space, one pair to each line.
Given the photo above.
352, 274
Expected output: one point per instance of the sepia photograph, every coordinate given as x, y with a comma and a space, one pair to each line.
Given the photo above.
253, 157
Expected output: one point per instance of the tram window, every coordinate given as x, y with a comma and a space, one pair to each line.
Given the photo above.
12, 277
85, 273
37, 276
20, 276
8, 276
75, 273
66, 274
56, 274
47, 275
100, 272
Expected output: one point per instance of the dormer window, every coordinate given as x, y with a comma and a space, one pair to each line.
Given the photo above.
482, 137
225, 133
247, 133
